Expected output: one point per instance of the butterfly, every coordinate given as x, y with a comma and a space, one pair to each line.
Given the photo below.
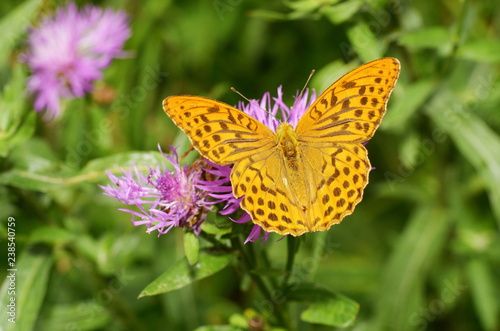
300, 179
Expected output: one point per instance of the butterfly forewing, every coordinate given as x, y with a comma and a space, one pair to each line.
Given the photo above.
351, 109
218, 131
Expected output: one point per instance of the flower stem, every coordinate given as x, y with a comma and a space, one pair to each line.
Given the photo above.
249, 265
293, 247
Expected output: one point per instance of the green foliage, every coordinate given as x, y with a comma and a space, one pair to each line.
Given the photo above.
30, 286
421, 252
182, 274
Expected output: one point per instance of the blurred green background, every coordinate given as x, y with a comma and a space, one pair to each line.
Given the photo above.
420, 252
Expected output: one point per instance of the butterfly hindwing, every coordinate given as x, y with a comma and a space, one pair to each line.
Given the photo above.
336, 176
268, 197
221, 133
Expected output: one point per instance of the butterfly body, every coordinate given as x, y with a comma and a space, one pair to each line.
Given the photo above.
298, 179
287, 140
293, 169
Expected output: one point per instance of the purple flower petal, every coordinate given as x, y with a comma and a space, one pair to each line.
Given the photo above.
68, 52
164, 199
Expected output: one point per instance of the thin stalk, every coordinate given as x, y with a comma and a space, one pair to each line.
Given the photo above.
249, 265
293, 246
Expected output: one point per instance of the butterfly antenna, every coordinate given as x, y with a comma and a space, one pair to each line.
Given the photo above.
305, 85
249, 101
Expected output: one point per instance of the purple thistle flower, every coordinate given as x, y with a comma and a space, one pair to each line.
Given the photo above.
266, 113
68, 52
165, 198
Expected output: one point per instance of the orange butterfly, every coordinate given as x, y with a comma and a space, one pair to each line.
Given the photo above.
302, 179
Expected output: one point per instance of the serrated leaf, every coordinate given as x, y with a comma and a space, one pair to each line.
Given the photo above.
191, 247
30, 280
182, 274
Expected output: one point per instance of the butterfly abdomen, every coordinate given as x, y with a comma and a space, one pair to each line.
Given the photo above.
289, 145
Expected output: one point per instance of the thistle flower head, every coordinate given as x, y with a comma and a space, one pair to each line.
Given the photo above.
68, 52
165, 198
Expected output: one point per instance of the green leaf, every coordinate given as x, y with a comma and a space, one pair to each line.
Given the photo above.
51, 235
30, 286
84, 315
432, 37
114, 163
14, 25
25, 130
483, 289
413, 255
191, 247
218, 230
182, 274
407, 100
481, 51
303, 5
218, 328
364, 42
326, 307
409, 150
238, 321
94, 171
337, 311
13, 98
269, 15
87, 246
15, 126
342, 12
475, 140
325, 76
